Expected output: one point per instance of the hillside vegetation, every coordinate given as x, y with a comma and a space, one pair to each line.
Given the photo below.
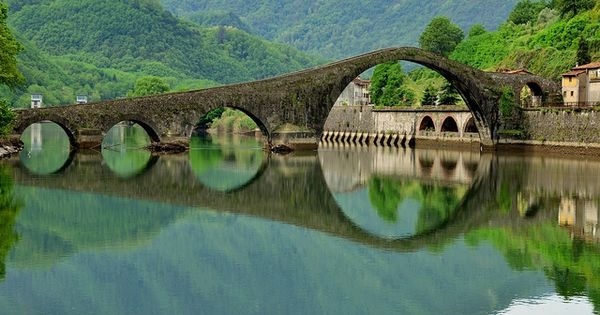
337, 29
542, 37
99, 48
545, 45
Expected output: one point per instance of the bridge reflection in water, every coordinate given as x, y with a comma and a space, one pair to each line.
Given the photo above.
539, 213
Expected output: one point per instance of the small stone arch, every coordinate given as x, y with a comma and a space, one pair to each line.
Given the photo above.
63, 123
144, 123
449, 125
427, 124
470, 126
261, 125
531, 95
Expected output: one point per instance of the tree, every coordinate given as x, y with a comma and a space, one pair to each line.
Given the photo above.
476, 29
583, 52
568, 7
441, 36
7, 117
387, 86
148, 85
9, 73
448, 95
429, 96
526, 11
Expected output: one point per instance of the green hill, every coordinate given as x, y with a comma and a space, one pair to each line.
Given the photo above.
100, 47
337, 29
545, 45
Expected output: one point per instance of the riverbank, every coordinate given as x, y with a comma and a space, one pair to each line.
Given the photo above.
10, 146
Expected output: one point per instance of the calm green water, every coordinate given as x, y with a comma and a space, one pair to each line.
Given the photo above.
227, 229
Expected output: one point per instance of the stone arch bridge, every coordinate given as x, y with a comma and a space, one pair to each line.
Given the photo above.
302, 99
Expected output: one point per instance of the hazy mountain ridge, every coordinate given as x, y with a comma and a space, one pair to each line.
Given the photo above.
335, 30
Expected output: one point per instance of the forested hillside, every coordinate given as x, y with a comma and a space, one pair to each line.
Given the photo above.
338, 29
100, 48
543, 39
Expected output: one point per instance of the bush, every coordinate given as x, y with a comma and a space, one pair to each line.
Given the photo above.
7, 117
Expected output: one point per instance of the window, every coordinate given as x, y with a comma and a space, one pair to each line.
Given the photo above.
565, 94
572, 93
570, 79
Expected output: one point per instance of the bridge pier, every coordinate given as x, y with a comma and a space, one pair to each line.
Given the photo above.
87, 138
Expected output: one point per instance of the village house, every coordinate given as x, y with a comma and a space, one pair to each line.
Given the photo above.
581, 85
356, 93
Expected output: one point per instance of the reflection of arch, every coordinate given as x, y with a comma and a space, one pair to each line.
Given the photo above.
448, 165
217, 167
426, 164
59, 170
427, 124
471, 168
470, 126
152, 159
449, 125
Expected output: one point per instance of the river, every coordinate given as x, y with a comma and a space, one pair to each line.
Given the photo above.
228, 229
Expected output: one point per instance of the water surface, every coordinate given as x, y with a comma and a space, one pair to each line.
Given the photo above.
228, 229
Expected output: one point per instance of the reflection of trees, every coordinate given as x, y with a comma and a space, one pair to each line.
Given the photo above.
9, 209
437, 202
572, 264
225, 163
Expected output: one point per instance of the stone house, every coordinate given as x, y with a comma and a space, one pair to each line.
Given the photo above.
356, 93
581, 85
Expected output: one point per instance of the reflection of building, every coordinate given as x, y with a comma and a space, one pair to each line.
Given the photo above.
356, 93
581, 86
36, 137
580, 215
36, 100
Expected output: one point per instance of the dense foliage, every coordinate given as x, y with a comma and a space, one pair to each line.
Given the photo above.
548, 46
9, 74
100, 48
149, 85
441, 36
387, 86
526, 11
335, 29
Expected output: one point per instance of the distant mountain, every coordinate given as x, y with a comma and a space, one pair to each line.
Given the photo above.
336, 29
99, 42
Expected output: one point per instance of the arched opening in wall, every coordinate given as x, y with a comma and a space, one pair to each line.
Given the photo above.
427, 124
227, 149
124, 148
531, 95
470, 126
47, 148
449, 125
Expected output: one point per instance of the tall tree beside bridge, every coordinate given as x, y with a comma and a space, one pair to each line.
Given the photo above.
9, 73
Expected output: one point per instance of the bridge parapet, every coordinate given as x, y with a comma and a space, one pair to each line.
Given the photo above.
303, 99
